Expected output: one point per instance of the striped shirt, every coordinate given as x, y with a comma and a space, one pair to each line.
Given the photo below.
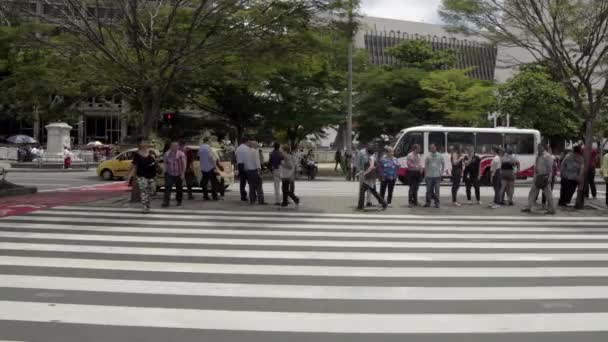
175, 163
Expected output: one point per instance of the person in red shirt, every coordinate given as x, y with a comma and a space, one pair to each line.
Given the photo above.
190, 176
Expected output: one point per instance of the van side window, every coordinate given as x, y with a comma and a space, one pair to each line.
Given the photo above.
437, 138
486, 142
406, 143
520, 143
461, 140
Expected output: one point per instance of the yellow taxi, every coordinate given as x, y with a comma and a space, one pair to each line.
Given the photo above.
120, 165
117, 167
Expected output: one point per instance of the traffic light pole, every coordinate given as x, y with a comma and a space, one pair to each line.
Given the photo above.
349, 117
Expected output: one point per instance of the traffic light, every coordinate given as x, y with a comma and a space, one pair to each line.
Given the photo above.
169, 116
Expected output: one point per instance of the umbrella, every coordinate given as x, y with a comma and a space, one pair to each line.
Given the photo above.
21, 139
95, 144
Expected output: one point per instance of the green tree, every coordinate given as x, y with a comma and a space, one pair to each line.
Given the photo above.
568, 36
37, 84
421, 55
458, 98
533, 99
146, 49
417, 91
302, 100
391, 100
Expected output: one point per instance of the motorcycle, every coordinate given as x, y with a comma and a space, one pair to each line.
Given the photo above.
311, 169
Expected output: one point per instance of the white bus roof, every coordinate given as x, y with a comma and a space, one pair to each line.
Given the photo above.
433, 128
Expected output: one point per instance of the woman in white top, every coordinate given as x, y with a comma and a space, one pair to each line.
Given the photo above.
287, 171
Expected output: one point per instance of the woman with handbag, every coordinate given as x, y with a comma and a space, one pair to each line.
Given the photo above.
287, 171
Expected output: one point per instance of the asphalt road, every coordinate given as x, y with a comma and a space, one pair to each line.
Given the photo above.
109, 273
46, 181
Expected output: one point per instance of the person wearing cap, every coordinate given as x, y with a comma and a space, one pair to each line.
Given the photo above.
367, 181
543, 169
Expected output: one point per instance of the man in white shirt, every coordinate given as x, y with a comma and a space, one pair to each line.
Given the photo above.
495, 176
242, 153
208, 161
253, 169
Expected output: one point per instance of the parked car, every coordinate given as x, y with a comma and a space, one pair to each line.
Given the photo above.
117, 167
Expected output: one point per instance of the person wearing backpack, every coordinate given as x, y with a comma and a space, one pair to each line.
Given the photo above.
367, 181
287, 171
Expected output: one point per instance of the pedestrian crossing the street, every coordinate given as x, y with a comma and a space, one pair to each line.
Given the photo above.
74, 274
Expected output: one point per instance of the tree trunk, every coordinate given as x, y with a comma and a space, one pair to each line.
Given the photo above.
239, 135
580, 199
150, 103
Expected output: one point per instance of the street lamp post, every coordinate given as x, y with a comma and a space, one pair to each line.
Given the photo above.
349, 116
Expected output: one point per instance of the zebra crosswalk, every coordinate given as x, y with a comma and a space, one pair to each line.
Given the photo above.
73, 274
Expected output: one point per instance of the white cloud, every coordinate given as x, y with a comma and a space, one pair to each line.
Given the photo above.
412, 10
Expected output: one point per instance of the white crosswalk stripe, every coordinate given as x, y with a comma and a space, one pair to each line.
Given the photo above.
222, 275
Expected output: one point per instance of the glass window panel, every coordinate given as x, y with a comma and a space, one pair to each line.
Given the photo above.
461, 140
485, 142
520, 143
407, 141
438, 139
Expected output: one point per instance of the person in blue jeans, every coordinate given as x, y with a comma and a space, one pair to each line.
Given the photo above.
434, 165
388, 174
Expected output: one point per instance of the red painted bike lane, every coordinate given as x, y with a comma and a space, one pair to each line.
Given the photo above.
19, 205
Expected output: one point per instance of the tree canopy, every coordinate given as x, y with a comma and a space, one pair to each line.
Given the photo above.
568, 36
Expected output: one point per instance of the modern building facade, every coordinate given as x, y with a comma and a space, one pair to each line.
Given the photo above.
377, 35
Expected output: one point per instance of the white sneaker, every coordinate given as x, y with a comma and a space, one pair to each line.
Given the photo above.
495, 206
456, 204
480, 203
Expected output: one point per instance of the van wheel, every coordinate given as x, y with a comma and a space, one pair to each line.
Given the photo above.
107, 174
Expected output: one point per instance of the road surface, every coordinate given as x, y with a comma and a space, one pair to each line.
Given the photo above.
73, 274
48, 181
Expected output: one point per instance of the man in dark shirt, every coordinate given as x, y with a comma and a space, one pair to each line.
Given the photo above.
275, 160
338, 159
471, 175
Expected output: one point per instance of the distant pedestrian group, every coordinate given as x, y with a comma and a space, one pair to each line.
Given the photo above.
504, 167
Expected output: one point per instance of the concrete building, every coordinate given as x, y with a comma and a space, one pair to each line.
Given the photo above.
377, 35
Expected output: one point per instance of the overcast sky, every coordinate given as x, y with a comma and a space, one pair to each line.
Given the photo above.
414, 10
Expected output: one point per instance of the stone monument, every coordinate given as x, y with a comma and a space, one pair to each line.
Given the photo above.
58, 136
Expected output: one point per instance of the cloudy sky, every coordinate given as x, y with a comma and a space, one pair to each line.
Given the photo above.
414, 10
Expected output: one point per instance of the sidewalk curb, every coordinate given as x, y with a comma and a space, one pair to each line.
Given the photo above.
17, 170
